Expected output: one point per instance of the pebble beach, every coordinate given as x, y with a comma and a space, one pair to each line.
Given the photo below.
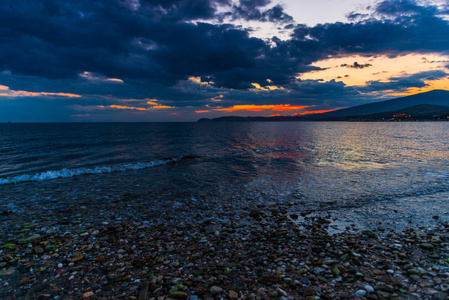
123, 248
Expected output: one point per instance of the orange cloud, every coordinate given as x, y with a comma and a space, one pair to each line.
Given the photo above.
252, 107
12, 93
152, 101
138, 108
126, 107
198, 80
201, 111
217, 98
55, 94
275, 115
115, 80
316, 111
162, 106
295, 114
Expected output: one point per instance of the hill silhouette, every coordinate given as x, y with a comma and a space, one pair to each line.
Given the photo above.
433, 102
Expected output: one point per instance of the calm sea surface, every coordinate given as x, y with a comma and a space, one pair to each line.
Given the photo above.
323, 161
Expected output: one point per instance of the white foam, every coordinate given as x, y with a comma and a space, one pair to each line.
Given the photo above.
48, 175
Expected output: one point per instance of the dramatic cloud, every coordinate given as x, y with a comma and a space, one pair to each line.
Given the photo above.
151, 41
192, 56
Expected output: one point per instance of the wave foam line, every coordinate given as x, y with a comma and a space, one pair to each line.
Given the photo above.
48, 175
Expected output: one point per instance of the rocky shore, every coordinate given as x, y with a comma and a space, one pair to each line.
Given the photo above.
124, 249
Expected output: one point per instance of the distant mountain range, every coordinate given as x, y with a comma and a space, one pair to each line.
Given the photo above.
433, 105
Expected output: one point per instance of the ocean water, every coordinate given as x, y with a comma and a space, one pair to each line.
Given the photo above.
328, 162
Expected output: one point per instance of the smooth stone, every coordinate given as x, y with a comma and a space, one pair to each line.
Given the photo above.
288, 280
50, 248
233, 295
24, 281
215, 290
369, 288
7, 272
426, 246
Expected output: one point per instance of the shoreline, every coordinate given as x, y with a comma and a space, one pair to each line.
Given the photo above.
124, 248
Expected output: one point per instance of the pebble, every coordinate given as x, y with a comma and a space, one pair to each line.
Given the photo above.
282, 292
215, 290
233, 295
222, 253
38, 250
369, 288
24, 281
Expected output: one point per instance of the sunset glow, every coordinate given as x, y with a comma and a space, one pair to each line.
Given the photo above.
253, 107
379, 68
316, 111
439, 84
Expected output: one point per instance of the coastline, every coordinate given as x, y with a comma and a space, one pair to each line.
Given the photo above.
132, 248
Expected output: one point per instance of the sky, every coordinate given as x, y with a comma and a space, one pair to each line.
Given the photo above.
182, 60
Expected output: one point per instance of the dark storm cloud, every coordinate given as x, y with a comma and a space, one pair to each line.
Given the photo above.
356, 65
150, 42
70, 38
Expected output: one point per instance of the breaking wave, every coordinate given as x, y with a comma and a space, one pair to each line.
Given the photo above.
48, 175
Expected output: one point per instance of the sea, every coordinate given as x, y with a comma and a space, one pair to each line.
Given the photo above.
345, 164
